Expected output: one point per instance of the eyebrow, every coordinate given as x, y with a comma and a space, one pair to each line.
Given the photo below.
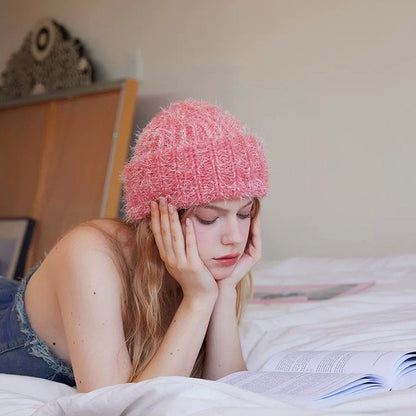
210, 206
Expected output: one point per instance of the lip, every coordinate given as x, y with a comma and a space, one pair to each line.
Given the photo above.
229, 260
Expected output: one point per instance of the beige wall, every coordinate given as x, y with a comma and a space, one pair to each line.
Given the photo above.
330, 85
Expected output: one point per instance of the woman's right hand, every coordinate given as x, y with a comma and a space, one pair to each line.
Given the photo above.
179, 251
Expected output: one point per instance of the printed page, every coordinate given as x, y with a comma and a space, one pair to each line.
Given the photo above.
306, 389
405, 372
382, 363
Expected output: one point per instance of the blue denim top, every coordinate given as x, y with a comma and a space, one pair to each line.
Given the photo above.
21, 350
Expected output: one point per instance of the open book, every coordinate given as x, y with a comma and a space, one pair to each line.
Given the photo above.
318, 379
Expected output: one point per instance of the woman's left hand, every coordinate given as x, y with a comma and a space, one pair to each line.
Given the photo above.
250, 257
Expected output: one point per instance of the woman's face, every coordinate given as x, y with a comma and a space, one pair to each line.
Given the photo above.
221, 230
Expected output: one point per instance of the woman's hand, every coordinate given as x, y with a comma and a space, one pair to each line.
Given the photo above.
179, 252
250, 257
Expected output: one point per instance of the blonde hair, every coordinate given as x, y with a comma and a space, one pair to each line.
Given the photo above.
149, 302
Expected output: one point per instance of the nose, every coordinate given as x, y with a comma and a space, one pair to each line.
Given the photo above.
232, 234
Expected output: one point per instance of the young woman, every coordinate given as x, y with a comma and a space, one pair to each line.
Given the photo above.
161, 293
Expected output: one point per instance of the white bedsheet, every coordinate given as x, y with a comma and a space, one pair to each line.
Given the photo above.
381, 318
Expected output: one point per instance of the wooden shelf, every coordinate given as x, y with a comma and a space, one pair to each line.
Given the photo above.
61, 156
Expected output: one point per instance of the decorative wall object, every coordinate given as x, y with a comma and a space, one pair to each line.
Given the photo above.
48, 60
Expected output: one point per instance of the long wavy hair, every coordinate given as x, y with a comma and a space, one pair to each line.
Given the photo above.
149, 299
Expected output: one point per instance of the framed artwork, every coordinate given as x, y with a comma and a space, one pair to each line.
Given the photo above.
15, 236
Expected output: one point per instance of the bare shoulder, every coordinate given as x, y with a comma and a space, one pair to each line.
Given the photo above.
95, 238
92, 251
101, 232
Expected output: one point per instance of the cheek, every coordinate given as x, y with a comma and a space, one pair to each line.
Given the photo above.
204, 239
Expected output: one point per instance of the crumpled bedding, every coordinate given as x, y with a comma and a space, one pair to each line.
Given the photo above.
381, 318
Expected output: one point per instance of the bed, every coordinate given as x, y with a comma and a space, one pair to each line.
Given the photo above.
382, 317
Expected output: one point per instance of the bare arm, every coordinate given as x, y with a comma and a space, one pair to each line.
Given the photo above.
180, 347
224, 355
223, 348
88, 290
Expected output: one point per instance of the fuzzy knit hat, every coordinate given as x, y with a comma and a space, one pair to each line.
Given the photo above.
193, 153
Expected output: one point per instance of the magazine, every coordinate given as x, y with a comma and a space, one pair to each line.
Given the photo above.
305, 293
318, 379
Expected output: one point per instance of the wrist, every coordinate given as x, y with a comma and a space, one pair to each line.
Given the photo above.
227, 294
201, 302
227, 288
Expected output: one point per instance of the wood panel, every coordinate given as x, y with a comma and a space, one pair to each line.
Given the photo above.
61, 159
21, 143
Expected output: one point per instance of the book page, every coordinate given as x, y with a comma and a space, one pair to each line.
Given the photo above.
381, 363
306, 389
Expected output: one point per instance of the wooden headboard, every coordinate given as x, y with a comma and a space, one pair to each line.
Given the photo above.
61, 156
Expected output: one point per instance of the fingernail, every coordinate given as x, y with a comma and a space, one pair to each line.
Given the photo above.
170, 208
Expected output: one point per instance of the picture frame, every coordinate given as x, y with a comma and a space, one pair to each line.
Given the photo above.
15, 237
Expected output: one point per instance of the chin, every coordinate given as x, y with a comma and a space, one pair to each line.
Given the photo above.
222, 273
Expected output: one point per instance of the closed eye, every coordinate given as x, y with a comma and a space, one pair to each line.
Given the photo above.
244, 216
206, 222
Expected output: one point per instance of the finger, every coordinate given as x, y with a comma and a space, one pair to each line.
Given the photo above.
165, 226
190, 241
178, 241
155, 225
256, 243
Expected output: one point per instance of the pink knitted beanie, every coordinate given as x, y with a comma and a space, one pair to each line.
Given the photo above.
193, 153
